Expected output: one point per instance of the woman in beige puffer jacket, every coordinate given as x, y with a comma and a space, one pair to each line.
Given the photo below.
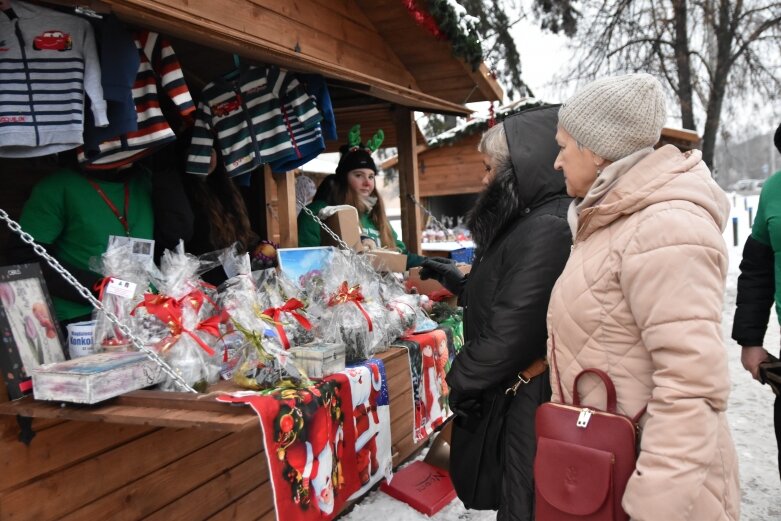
641, 297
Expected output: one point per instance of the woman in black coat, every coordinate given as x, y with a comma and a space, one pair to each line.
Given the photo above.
523, 240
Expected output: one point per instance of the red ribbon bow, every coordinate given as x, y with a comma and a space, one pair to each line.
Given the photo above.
354, 295
169, 310
288, 307
100, 287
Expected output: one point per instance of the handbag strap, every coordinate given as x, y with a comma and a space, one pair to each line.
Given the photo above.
576, 397
555, 367
611, 389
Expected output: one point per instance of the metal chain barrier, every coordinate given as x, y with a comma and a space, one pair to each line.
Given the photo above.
433, 218
348, 250
87, 294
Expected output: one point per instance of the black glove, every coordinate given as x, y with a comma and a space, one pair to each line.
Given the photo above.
770, 373
443, 271
465, 405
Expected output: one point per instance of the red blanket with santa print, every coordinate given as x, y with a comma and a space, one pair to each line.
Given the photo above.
430, 355
326, 444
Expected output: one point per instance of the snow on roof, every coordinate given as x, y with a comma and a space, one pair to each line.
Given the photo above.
478, 122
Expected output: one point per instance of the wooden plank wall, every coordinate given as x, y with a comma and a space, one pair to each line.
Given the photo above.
321, 33
84, 470
449, 170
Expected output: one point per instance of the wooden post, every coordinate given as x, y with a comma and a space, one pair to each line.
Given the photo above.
286, 209
408, 178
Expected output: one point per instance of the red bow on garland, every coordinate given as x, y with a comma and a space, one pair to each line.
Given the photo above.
169, 310
354, 295
288, 307
423, 19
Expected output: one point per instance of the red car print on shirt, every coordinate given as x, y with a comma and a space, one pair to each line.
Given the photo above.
53, 41
226, 107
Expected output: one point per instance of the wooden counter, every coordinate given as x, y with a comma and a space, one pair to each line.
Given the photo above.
154, 455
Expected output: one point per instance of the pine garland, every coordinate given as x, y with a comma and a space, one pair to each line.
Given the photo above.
479, 125
460, 30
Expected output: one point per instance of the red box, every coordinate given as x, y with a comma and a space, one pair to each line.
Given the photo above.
424, 487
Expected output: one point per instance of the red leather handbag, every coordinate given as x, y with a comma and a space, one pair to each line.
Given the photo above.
585, 457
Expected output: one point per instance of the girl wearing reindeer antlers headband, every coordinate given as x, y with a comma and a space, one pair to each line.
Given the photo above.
354, 184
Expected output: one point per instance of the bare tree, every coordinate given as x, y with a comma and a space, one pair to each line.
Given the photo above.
708, 51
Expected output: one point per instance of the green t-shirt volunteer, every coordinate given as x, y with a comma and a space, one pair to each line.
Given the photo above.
309, 232
767, 227
66, 211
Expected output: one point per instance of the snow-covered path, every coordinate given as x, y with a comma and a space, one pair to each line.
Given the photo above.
750, 415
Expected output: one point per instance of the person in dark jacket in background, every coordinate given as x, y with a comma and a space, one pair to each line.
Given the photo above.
523, 241
759, 283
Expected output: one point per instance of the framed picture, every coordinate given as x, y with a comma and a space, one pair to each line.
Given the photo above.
299, 263
29, 333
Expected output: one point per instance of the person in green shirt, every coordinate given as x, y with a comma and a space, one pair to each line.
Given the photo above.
73, 214
354, 184
759, 284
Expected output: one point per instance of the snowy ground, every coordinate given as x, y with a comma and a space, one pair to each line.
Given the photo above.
750, 415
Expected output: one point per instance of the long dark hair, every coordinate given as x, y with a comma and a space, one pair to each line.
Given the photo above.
342, 194
224, 206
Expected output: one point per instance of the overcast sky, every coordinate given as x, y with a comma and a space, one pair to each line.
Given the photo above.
543, 55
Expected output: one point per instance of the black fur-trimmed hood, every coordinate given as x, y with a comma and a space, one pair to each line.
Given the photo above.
528, 182
497, 206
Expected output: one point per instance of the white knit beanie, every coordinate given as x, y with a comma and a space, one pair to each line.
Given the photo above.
616, 116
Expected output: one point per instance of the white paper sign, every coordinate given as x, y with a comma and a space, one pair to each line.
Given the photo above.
143, 248
121, 288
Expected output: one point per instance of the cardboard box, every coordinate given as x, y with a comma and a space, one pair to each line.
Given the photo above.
345, 224
387, 261
320, 360
94, 378
429, 286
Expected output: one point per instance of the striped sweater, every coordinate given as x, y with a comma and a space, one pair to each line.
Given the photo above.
48, 61
247, 119
158, 63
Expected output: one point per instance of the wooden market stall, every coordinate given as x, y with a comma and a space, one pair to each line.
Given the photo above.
174, 456
379, 64
153, 455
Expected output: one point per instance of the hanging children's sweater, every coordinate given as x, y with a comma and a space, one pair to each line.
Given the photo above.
48, 61
158, 64
247, 118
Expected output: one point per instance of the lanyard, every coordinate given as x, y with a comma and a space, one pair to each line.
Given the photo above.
121, 218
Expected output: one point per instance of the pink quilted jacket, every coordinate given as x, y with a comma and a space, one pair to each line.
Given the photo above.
641, 298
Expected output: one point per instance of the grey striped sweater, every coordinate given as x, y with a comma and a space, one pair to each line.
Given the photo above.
48, 60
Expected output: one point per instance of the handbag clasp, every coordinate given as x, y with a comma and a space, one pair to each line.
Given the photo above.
583, 418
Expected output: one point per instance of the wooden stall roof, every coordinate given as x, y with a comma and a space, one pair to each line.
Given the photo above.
372, 52
374, 48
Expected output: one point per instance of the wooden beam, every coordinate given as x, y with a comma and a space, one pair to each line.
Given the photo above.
286, 209
392, 161
486, 83
408, 178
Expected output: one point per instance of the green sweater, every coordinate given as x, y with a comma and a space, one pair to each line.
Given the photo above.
309, 233
767, 227
65, 211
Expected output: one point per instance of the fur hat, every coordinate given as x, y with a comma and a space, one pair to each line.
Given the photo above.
616, 116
